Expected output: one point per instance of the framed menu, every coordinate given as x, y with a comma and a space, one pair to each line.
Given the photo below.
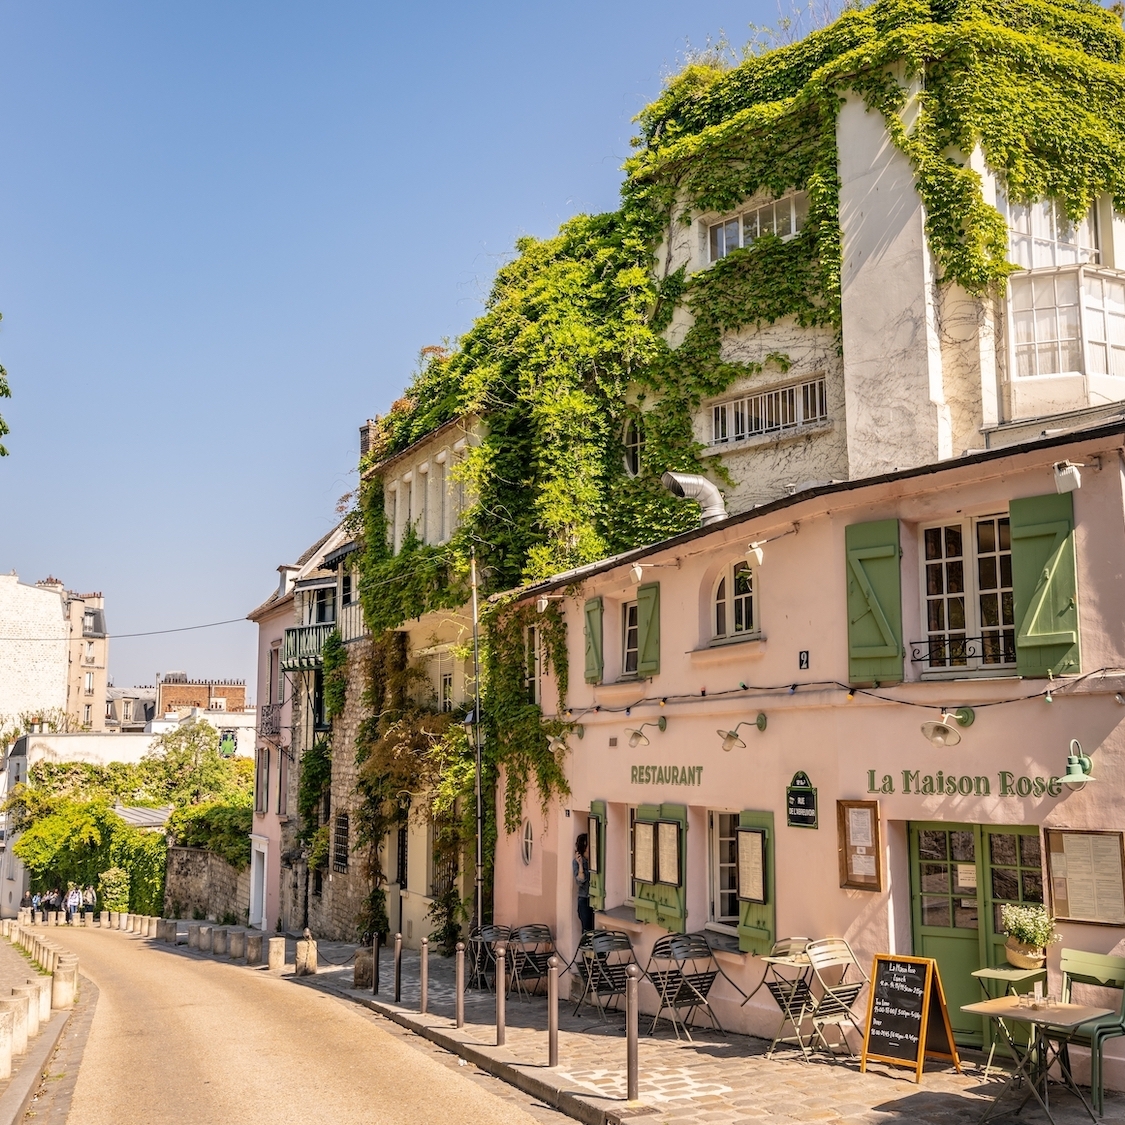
860, 853
1086, 874
752, 865
668, 853
644, 851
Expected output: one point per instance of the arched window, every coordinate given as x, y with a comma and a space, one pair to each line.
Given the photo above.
734, 613
527, 844
633, 439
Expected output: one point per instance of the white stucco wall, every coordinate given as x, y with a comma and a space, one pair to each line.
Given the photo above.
34, 640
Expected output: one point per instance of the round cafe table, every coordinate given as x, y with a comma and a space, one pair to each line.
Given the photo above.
1051, 1026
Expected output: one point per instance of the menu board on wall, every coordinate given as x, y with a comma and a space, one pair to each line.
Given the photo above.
857, 826
668, 853
1086, 873
644, 851
752, 864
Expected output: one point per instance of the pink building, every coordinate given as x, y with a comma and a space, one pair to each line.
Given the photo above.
752, 746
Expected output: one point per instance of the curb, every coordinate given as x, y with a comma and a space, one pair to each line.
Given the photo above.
16, 1099
586, 1107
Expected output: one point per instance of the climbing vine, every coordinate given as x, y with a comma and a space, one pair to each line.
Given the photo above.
574, 338
334, 658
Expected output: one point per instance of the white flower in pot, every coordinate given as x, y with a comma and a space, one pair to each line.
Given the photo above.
1030, 929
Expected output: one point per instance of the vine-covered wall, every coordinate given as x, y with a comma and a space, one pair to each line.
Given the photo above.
574, 337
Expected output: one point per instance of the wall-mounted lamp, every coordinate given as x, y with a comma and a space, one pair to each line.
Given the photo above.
637, 570
556, 744
730, 737
1067, 476
639, 738
1120, 698
1078, 766
544, 600
755, 552
944, 732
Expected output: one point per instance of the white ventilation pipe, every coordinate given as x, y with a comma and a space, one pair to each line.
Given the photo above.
700, 489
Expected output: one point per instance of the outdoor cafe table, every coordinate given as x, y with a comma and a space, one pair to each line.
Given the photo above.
1049, 1022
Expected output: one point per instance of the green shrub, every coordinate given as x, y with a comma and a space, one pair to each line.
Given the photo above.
113, 889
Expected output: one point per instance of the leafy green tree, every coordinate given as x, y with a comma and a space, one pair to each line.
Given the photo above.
184, 767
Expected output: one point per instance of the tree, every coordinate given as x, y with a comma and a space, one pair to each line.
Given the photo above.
184, 767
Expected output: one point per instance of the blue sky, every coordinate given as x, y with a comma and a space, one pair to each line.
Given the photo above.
226, 229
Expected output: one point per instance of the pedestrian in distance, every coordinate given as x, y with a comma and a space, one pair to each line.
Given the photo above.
73, 904
36, 901
581, 868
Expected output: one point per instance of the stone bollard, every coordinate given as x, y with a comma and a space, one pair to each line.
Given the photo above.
236, 944
5, 927
254, 949
193, 935
306, 956
44, 986
143, 924
7, 1019
219, 938
31, 992
206, 937
110, 918
103, 919
276, 954
64, 985
363, 963
37, 917
17, 1005
133, 921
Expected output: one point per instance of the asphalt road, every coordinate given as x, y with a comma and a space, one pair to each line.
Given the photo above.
190, 1041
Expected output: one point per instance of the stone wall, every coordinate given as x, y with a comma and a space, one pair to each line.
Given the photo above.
199, 881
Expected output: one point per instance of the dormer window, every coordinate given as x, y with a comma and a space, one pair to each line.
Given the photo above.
782, 217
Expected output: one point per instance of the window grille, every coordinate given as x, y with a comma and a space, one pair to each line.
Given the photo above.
769, 412
340, 844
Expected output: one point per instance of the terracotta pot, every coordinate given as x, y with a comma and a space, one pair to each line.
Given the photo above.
1024, 956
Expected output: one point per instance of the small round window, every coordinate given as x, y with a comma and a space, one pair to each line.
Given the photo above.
633, 440
527, 845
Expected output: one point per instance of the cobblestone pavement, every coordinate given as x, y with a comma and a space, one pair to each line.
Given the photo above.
716, 1078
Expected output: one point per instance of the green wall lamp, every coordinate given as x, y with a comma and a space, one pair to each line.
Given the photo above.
730, 737
944, 732
639, 738
1078, 766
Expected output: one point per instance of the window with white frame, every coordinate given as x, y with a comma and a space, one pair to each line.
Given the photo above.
89, 683
446, 692
527, 843
89, 652
127, 710
634, 442
733, 614
630, 629
724, 867
1046, 324
782, 217
1040, 235
531, 663
87, 714
443, 502
1103, 314
967, 588
784, 408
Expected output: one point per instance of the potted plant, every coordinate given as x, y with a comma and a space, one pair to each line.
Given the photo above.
1030, 929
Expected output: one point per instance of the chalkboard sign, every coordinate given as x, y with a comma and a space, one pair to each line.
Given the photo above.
906, 1014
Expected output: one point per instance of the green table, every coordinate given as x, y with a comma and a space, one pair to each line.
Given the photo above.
1011, 977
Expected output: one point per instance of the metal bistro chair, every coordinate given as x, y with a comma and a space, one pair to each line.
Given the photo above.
530, 948
604, 956
682, 968
791, 993
1101, 970
482, 955
832, 962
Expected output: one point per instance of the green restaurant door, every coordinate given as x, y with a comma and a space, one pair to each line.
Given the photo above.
960, 875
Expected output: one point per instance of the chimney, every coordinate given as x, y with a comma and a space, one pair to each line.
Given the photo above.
365, 436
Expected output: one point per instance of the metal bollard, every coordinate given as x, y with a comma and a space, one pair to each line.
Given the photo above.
552, 1010
459, 1010
501, 991
398, 967
633, 972
424, 977
375, 964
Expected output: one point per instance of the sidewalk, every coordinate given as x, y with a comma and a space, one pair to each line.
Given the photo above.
716, 1079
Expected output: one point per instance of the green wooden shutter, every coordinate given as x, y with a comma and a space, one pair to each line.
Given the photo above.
597, 878
595, 662
875, 652
757, 922
648, 629
1045, 585
655, 902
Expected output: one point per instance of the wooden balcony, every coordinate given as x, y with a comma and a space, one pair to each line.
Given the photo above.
302, 647
351, 623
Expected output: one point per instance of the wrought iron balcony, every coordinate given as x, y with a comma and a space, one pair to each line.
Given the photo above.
302, 647
269, 720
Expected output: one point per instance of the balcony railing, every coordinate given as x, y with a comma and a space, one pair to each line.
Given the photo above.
351, 624
269, 720
302, 647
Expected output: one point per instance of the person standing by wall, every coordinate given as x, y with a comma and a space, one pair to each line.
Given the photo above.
581, 868
73, 904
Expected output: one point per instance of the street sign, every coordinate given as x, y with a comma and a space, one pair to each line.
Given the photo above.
800, 802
